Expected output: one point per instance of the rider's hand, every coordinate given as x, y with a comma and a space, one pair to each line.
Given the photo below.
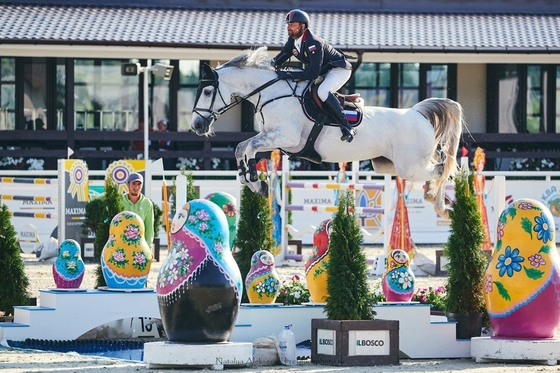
284, 74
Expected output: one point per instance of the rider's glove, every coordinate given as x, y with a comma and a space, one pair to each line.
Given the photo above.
284, 74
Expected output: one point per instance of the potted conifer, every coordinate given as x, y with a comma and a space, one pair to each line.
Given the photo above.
13, 288
466, 261
350, 335
253, 231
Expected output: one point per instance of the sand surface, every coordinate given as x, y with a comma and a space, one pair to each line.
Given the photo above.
40, 277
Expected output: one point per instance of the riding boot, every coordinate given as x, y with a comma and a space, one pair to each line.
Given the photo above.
333, 107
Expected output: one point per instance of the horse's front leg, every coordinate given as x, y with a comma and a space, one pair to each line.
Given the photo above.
242, 165
264, 142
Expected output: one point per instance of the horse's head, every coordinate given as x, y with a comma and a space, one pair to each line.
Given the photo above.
203, 112
213, 89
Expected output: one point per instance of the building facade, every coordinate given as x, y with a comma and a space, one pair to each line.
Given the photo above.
61, 85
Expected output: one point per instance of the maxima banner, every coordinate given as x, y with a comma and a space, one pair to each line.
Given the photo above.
73, 194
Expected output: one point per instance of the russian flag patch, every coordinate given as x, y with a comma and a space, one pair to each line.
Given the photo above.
351, 116
312, 48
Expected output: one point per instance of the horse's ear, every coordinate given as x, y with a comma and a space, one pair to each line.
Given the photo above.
207, 72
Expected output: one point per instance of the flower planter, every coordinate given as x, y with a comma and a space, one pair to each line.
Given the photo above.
468, 324
354, 342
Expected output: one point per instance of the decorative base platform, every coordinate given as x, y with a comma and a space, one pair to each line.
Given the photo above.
159, 355
488, 349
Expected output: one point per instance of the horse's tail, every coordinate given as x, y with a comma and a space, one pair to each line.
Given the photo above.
448, 120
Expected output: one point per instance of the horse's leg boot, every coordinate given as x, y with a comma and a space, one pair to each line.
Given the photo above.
333, 106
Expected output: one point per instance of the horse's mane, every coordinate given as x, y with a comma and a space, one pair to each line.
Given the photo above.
256, 58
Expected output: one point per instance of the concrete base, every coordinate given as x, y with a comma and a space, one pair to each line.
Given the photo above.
190, 355
488, 349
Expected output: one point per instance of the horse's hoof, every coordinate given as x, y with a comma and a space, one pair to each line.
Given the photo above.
253, 175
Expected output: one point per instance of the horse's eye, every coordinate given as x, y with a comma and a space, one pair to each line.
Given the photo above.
207, 91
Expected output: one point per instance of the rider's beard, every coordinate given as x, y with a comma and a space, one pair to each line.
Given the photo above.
295, 34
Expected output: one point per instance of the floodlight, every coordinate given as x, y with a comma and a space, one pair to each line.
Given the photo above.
161, 70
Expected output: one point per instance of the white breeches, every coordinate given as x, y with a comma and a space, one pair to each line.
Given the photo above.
334, 80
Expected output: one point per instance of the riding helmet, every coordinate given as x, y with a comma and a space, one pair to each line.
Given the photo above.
297, 15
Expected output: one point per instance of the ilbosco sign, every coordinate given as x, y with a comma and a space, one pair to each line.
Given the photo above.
326, 342
360, 342
368, 342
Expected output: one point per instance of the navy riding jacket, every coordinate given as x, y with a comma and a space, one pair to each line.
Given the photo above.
317, 55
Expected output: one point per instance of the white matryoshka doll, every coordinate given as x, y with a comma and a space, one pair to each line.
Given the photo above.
398, 280
262, 280
522, 281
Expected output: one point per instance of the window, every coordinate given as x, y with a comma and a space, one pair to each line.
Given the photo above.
402, 85
7, 93
373, 82
528, 98
35, 93
188, 83
103, 98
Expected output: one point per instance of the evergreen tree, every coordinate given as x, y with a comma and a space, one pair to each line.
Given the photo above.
99, 213
253, 230
466, 262
13, 290
349, 297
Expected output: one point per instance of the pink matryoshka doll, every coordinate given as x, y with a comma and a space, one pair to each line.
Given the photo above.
522, 281
262, 280
68, 267
126, 257
316, 273
398, 280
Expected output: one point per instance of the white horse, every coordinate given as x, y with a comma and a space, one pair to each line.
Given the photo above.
417, 144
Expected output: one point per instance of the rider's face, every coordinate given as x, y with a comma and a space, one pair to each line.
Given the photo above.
295, 29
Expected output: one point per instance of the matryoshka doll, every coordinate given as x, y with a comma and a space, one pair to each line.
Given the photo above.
398, 280
262, 280
228, 204
316, 266
68, 268
199, 285
522, 281
126, 257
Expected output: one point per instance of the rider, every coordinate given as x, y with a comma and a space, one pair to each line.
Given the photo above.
319, 58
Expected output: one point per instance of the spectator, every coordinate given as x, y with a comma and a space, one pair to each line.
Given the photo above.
136, 202
162, 127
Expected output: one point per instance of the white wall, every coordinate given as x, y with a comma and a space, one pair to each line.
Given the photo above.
471, 93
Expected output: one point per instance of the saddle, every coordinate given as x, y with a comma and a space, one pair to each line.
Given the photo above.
313, 109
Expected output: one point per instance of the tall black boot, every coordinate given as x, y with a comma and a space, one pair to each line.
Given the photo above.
333, 107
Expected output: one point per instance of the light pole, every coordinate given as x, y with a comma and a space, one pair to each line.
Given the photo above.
163, 71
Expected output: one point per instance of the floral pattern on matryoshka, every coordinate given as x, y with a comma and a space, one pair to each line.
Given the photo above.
68, 268
262, 280
126, 258
228, 204
522, 281
199, 285
398, 280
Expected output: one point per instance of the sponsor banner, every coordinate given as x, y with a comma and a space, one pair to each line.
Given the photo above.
368, 342
326, 341
73, 195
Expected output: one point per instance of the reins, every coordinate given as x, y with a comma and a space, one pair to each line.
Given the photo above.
258, 109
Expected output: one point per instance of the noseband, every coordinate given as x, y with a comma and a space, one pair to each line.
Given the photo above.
210, 78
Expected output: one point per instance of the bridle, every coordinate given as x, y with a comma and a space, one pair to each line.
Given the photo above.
210, 78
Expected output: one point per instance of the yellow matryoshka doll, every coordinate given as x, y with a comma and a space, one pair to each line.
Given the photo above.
522, 281
126, 257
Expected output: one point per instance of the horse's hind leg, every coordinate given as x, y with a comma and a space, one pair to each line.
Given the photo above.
384, 166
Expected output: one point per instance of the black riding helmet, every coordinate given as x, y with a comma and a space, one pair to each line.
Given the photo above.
297, 15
